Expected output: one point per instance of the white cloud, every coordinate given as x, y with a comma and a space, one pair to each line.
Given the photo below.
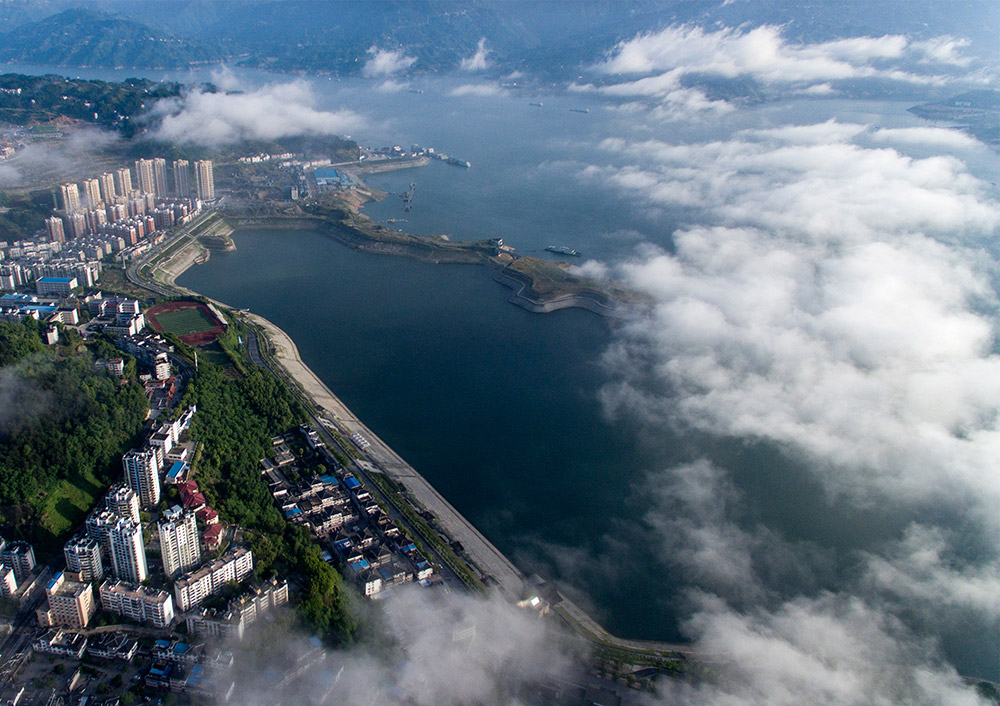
931, 136
385, 62
390, 86
9, 176
762, 53
825, 303
478, 61
269, 112
826, 650
476, 89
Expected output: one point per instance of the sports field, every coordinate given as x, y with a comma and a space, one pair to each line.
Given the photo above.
184, 321
193, 322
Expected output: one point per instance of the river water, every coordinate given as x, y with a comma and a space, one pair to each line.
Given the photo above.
501, 409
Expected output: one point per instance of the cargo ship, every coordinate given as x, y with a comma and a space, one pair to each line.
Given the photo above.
563, 250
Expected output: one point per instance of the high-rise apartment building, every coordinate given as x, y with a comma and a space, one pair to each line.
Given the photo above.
123, 501
142, 475
83, 557
108, 191
182, 178
179, 544
99, 525
18, 556
128, 555
144, 176
69, 197
54, 229
92, 190
70, 603
77, 223
123, 181
204, 179
160, 177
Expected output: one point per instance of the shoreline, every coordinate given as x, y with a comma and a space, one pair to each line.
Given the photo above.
483, 554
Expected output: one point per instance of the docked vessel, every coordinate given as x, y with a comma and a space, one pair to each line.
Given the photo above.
457, 162
563, 250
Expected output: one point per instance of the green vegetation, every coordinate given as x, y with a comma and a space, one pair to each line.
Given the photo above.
45, 98
60, 445
235, 422
82, 37
21, 215
184, 321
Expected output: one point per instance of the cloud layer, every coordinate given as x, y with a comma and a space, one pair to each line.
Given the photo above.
386, 62
269, 112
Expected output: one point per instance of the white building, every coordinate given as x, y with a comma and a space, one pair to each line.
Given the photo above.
204, 179
70, 603
19, 556
142, 470
83, 557
128, 555
123, 501
8, 582
191, 589
179, 544
144, 605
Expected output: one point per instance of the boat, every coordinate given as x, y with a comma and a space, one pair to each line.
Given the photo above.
563, 250
536, 105
579, 110
457, 162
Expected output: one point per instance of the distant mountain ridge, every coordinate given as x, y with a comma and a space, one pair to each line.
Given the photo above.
81, 37
554, 39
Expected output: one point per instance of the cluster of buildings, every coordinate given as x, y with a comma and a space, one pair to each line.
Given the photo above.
337, 509
108, 215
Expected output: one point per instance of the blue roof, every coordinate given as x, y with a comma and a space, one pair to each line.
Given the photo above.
332, 480
327, 173
351, 482
53, 280
196, 672
293, 511
180, 648
176, 469
360, 563
163, 643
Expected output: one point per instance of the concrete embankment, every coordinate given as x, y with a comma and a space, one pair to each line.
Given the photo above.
487, 557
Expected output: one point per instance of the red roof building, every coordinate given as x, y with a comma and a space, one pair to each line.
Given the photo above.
208, 515
212, 536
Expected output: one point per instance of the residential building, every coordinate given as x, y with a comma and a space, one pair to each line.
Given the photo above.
8, 582
69, 197
191, 589
144, 176
92, 190
70, 603
99, 524
123, 181
77, 222
160, 177
144, 605
204, 179
54, 229
60, 286
18, 556
142, 475
241, 611
128, 555
182, 178
83, 557
179, 544
121, 499
108, 192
